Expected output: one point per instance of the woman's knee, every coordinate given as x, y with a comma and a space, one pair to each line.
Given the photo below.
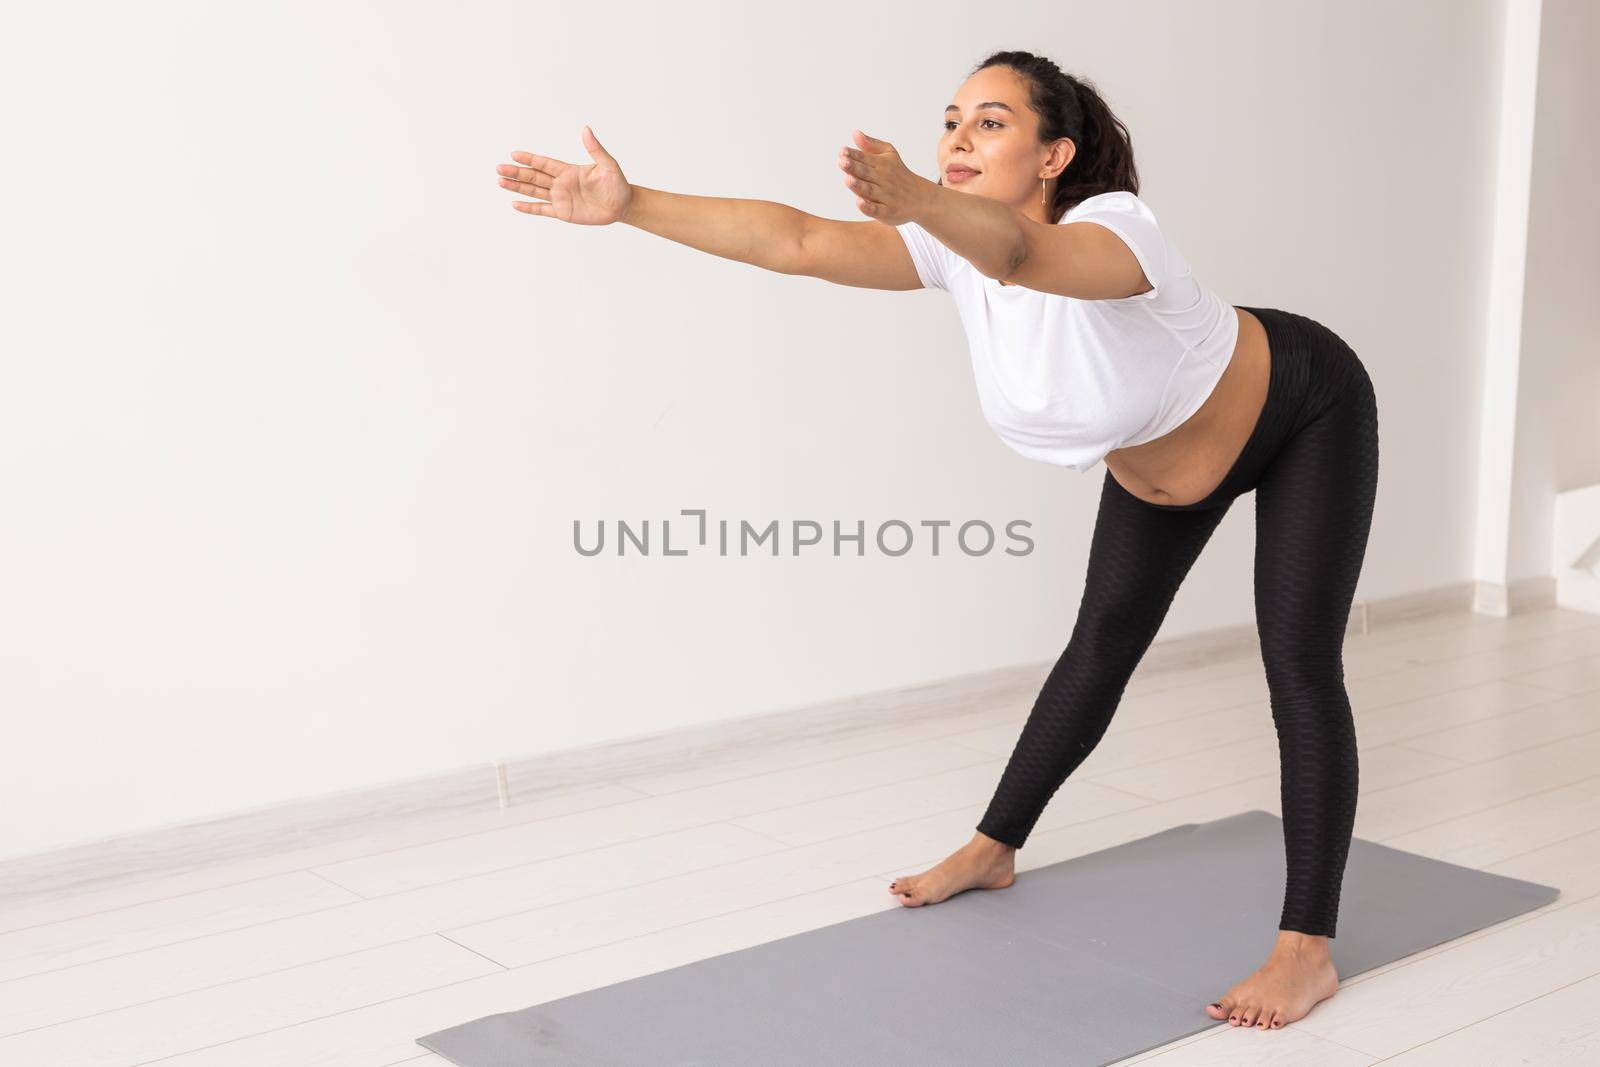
1307, 685
1112, 629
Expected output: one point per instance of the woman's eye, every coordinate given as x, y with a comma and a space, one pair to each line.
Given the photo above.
951, 122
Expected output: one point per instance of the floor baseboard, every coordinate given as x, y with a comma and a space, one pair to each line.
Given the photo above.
184, 847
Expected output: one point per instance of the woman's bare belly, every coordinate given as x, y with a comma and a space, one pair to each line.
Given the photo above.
1184, 466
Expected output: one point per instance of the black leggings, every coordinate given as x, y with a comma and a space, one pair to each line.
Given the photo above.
1312, 459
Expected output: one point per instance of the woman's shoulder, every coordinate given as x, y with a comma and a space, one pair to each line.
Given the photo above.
1117, 201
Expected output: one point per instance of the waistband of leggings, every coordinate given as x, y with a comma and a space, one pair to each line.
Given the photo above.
1286, 339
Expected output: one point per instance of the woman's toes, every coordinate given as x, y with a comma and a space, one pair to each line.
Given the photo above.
1216, 1010
1264, 1019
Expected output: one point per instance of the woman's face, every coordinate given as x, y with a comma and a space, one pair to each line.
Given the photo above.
991, 131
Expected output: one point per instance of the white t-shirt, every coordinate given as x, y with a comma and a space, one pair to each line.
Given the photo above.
1064, 380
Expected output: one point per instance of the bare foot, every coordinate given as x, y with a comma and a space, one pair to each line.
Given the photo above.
982, 863
1297, 975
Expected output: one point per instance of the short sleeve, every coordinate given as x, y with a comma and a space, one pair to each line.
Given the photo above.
932, 259
1125, 215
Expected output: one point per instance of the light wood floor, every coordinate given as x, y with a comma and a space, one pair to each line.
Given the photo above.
1480, 744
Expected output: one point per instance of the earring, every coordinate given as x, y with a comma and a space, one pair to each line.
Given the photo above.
1041, 188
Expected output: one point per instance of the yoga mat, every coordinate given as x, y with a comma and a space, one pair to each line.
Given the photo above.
1078, 964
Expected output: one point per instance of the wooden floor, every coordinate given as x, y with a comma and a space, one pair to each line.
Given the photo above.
1480, 744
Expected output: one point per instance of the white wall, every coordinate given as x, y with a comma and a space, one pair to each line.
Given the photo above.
1557, 443
298, 413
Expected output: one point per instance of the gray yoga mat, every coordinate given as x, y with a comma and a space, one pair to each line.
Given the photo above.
1084, 962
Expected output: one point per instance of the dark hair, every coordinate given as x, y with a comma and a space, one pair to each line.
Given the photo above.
1072, 107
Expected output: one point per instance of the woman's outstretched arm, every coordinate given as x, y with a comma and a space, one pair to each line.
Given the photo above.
762, 233
759, 232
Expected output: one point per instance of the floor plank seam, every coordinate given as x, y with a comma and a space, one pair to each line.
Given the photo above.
1492, 1015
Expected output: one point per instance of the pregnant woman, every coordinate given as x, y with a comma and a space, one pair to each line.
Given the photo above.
1092, 340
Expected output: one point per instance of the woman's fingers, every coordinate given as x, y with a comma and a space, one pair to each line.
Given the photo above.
542, 162
858, 179
856, 170
526, 188
860, 184
533, 207
523, 174
545, 164
860, 166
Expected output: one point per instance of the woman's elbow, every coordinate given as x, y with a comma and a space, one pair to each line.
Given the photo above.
1005, 268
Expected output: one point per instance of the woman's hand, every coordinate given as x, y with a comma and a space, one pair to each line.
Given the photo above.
592, 194
885, 187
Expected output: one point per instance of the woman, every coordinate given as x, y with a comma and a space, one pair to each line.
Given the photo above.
1092, 340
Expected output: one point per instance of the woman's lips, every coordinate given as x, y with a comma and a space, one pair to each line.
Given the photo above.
959, 174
